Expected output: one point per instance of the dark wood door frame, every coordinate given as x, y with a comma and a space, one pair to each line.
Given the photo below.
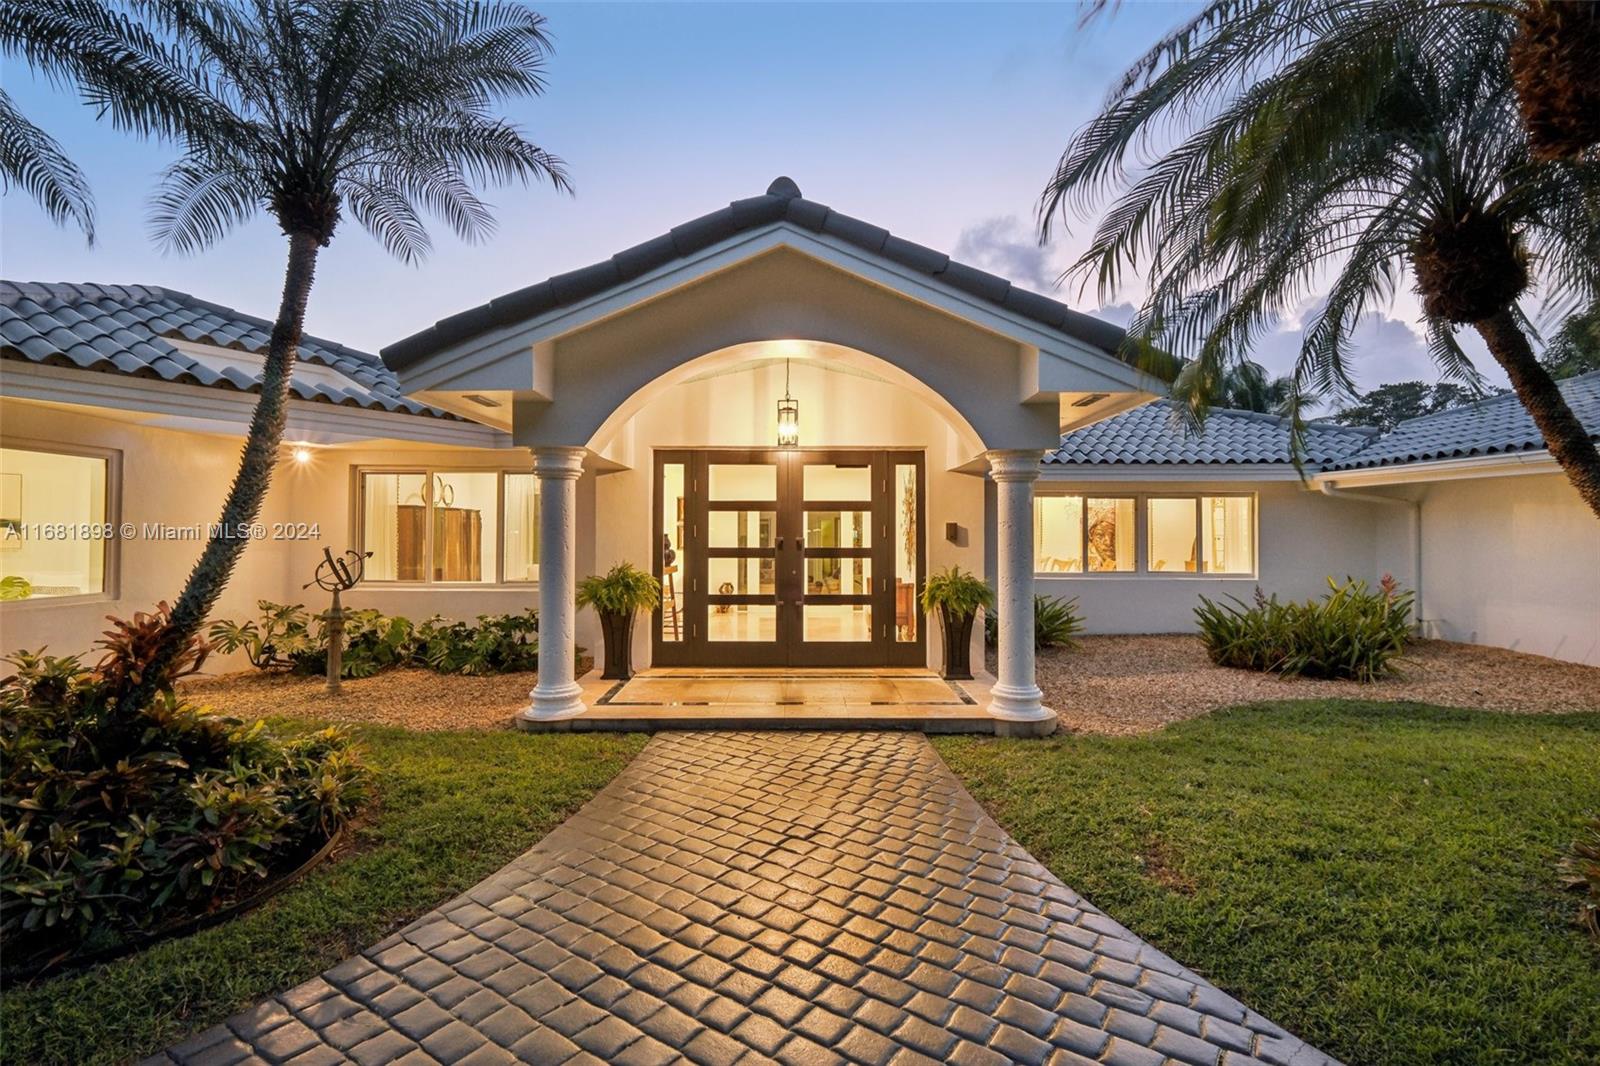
788, 554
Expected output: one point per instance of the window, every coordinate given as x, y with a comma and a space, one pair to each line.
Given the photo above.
450, 526
1181, 534
1174, 537
1074, 535
55, 523
1228, 533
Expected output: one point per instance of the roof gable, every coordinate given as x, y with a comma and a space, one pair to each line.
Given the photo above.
781, 204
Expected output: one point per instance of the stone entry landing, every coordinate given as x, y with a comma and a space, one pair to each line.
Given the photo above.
779, 698
748, 898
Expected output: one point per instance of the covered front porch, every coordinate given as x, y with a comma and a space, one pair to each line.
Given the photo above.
790, 419
661, 698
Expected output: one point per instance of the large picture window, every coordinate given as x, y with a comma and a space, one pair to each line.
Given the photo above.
450, 526
55, 523
1179, 534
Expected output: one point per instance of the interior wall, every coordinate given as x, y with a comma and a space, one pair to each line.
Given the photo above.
739, 410
1513, 562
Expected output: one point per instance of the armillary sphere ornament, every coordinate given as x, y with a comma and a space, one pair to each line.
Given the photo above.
336, 574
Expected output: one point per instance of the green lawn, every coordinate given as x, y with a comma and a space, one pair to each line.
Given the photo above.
455, 807
1376, 877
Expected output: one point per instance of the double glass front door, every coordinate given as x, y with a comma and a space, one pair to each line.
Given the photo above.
789, 558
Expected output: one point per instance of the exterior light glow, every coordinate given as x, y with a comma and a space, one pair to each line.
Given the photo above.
302, 455
788, 414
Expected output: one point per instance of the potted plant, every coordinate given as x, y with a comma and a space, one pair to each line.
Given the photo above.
957, 595
617, 597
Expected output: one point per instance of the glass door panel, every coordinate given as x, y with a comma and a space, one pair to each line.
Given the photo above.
742, 481
837, 623
907, 550
831, 481
742, 529
838, 529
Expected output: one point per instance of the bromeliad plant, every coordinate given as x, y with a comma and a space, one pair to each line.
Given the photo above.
956, 595
111, 825
617, 597
1354, 633
1056, 623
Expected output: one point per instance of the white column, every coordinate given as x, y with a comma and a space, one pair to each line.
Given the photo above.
557, 694
1015, 700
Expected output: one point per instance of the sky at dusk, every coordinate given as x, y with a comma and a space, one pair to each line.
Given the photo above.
939, 122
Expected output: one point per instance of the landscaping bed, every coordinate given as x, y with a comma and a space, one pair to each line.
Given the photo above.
408, 697
454, 807
1135, 684
1379, 878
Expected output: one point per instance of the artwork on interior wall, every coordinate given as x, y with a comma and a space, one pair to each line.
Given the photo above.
10, 512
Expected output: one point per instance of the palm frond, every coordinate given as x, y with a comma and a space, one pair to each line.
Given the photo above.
34, 161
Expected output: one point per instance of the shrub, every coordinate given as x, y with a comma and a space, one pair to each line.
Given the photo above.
288, 637
109, 825
1353, 632
498, 644
1056, 622
1580, 871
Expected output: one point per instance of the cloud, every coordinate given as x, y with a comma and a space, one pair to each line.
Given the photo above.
1117, 314
1005, 246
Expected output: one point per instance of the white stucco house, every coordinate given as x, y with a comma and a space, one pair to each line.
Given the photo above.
933, 415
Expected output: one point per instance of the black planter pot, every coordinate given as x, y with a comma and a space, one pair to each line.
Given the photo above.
957, 645
618, 632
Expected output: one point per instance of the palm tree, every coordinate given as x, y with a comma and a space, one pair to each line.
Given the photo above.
1320, 162
303, 109
35, 161
1553, 56
1242, 386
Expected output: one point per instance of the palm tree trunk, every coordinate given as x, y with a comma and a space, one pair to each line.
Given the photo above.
1569, 442
249, 490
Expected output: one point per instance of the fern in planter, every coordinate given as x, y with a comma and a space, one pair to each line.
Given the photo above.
956, 594
617, 597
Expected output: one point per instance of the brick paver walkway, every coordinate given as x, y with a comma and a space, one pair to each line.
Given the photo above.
749, 897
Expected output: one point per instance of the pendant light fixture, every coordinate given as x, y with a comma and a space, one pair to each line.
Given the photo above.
788, 415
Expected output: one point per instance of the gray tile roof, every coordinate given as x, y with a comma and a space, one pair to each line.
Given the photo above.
125, 329
782, 202
1156, 434
1494, 426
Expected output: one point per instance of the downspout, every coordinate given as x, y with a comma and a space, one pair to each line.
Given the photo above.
1413, 522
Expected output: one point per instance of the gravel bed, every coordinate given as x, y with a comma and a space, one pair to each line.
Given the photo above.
410, 698
1137, 684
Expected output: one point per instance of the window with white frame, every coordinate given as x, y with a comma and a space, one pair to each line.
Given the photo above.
1078, 534
55, 523
1180, 534
450, 526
